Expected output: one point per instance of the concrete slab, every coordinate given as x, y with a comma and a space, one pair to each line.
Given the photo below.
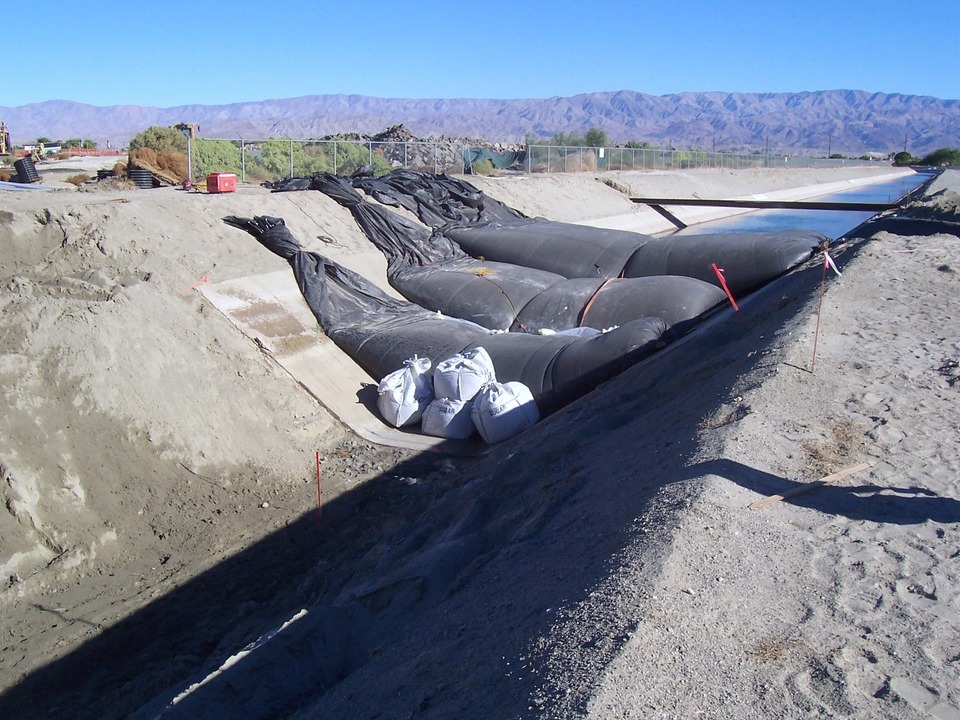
270, 310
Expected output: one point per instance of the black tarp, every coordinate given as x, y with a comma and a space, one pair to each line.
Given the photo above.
380, 332
505, 235
678, 301
573, 251
432, 271
749, 260
435, 199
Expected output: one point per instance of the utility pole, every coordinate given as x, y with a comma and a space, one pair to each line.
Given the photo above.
188, 129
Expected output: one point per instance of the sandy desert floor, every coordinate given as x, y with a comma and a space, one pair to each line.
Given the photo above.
163, 555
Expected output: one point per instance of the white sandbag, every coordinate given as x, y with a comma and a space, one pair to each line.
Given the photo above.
584, 332
501, 411
448, 418
404, 394
460, 377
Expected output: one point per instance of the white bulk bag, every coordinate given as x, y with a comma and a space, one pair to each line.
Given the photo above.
501, 411
460, 377
448, 418
403, 395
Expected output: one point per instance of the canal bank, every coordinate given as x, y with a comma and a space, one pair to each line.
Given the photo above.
603, 200
733, 219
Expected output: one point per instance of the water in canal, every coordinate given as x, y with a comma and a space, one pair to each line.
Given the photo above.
832, 223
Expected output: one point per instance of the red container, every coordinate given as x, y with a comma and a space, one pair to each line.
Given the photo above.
221, 182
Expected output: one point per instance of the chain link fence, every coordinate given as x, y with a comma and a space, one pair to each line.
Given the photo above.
554, 158
268, 159
259, 160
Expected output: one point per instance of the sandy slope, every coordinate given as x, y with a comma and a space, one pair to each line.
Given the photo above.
159, 483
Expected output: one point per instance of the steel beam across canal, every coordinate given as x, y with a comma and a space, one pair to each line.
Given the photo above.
769, 204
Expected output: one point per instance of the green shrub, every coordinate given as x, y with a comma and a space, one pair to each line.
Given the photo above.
160, 139
943, 156
904, 158
273, 159
596, 138
483, 167
210, 156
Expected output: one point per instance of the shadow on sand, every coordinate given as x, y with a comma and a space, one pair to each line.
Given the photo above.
427, 598
895, 505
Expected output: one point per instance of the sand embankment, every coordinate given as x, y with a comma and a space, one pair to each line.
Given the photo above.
159, 484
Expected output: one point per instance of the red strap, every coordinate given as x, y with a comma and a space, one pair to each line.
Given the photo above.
586, 308
723, 284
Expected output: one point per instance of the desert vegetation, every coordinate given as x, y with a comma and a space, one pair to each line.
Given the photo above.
940, 157
166, 149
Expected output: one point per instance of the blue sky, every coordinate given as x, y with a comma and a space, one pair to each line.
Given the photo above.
204, 52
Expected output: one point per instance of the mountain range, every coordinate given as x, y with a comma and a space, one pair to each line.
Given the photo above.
850, 122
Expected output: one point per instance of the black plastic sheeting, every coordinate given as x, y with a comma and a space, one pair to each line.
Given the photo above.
435, 273
432, 271
380, 332
678, 301
436, 199
749, 260
573, 251
498, 233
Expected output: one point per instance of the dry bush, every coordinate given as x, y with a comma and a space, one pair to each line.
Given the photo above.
5, 174
173, 165
144, 155
119, 169
78, 179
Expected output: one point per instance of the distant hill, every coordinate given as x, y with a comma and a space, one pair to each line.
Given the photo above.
851, 122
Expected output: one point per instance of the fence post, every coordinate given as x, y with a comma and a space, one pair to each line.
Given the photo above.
291, 157
243, 166
334, 157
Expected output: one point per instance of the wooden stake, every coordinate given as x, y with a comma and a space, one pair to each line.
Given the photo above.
319, 490
816, 333
827, 480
